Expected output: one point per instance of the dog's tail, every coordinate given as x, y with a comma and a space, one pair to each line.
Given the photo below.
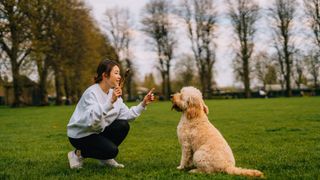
244, 172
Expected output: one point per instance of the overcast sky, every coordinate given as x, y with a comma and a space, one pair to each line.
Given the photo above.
145, 59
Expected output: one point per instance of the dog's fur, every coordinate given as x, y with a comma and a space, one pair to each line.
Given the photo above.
203, 147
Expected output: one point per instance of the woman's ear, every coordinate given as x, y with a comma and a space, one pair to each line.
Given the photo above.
193, 108
104, 74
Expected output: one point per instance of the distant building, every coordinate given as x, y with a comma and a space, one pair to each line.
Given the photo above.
277, 87
30, 92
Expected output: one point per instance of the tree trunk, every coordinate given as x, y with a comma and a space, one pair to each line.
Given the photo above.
43, 87
246, 78
282, 83
163, 84
58, 86
288, 87
288, 75
43, 74
79, 94
17, 86
315, 77
288, 65
168, 82
128, 87
209, 75
129, 81
67, 89
209, 85
203, 83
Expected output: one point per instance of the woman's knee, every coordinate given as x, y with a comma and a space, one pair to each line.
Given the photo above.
123, 125
111, 153
114, 152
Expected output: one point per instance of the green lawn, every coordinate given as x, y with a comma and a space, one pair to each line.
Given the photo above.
280, 137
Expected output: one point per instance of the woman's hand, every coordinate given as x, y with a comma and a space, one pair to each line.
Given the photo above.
148, 98
117, 92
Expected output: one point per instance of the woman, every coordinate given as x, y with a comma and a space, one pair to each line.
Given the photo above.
100, 121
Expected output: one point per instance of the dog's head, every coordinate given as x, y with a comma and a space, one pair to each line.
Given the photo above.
189, 100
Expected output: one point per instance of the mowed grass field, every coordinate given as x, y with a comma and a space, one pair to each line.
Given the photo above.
280, 137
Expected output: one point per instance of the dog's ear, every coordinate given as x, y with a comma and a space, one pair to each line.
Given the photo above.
194, 107
205, 108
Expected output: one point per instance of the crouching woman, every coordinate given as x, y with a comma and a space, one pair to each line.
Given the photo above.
99, 123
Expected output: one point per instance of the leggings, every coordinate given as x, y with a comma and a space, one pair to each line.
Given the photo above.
105, 144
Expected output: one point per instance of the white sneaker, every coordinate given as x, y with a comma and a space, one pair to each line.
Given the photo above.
74, 160
111, 163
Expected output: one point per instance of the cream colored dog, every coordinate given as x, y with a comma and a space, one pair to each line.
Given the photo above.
203, 147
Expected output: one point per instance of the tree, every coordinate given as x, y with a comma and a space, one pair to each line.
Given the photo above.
82, 47
312, 9
15, 40
283, 14
51, 36
149, 81
119, 27
40, 14
158, 27
200, 17
299, 71
243, 15
278, 59
75, 46
49, 23
271, 76
313, 65
185, 72
264, 69
60, 36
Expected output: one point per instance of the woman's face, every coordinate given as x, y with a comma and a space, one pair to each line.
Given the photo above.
115, 77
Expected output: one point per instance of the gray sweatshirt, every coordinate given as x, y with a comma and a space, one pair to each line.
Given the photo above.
95, 111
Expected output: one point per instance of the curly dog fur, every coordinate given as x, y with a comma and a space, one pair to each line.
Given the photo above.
203, 146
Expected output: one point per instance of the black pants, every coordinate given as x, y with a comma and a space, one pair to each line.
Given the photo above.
104, 145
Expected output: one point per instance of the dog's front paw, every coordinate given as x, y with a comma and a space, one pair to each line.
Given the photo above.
180, 167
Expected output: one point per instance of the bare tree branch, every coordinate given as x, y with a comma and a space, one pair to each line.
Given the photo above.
158, 27
200, 17
283, 13
243, 15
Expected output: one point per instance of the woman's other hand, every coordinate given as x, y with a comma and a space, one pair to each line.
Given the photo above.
148, 98
117, 92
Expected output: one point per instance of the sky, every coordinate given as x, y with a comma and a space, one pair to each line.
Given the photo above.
145, 58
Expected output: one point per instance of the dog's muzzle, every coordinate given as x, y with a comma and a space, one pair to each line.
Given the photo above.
175, 107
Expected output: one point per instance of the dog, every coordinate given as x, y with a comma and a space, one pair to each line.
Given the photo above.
203, 146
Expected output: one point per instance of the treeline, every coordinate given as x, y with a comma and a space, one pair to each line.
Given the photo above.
61, 40
57, 38
280, 62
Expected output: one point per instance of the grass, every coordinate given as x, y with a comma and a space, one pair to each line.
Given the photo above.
280, 137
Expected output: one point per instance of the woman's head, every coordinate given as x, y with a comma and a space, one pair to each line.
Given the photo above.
109, 71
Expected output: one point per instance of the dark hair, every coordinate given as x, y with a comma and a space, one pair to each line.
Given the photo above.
105, 66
